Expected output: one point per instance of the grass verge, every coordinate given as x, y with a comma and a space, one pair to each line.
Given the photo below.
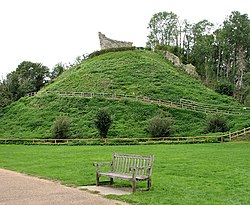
182, 174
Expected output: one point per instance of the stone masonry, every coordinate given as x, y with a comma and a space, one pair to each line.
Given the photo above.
189, 68
110, 43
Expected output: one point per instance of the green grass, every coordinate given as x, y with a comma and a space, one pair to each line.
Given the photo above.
34, 117
182, 174
138, 73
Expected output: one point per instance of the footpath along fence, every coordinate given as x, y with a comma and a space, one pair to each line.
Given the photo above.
184, 103
231, 136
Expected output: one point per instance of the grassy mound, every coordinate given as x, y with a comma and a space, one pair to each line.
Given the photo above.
138, 73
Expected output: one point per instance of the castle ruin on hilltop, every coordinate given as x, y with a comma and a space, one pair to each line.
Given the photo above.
110, 43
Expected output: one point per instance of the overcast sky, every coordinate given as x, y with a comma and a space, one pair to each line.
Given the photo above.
53, 31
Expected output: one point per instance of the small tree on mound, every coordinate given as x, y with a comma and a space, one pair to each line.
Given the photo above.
103, 122
216, 123
60, 128
160, 126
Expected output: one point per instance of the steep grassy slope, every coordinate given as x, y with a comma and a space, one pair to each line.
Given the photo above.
33, 117
139, 73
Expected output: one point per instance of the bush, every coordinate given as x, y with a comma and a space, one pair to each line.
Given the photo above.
216, 123
103, 122
60, 128
108, 50
160, 127
224, 88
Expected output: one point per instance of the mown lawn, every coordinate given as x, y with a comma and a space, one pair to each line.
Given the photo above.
182, 174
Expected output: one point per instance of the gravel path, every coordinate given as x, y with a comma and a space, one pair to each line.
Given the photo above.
20, 189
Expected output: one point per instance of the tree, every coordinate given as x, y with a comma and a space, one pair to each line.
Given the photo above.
163, 28
57, 70
103, 122
187, 39
28, 77
32, 76
233, 50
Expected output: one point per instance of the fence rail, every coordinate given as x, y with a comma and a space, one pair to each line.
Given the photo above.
110, 141
184, 103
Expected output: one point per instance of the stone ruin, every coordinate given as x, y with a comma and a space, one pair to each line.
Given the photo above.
189, 68
110, 43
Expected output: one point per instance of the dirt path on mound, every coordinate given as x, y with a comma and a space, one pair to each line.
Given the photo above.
20, 189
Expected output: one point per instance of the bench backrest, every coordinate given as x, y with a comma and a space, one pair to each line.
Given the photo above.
121, 163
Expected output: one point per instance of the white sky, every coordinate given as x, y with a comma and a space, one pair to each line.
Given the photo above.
53, 31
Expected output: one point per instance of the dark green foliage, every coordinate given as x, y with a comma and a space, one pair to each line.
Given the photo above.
103, 122
160, 127
57, 70
224, 88
108, 50
217, 53
216, 123
28, 77
61, 128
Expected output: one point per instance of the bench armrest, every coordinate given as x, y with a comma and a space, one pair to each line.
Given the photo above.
99, 164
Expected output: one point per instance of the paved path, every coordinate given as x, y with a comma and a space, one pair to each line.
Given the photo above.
19, 189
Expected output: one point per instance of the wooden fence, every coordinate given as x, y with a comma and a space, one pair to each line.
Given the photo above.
184, 103
231, 136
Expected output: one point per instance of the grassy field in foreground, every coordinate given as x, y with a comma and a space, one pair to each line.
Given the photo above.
182, 174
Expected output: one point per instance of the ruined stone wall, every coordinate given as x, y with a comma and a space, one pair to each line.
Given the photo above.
110, 43
189, 68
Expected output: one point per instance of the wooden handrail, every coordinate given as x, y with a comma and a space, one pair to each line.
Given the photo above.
230, 136
184, 103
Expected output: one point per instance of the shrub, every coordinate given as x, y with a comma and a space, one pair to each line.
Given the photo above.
60, 128
103, 122
108, 50
216, 123
225, 88
160, 126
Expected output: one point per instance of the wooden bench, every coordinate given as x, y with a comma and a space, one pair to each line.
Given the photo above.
128, 167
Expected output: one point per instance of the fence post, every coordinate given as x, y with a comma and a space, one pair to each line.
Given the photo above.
222, 139
230, 136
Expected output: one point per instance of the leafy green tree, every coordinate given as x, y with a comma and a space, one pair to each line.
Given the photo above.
233, 50
163, 29
103, 122
187, 40
57, 70
32, 76
5, 95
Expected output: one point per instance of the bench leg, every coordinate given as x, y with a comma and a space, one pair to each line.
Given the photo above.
149, 184
97, 179
111, 180
133, 186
